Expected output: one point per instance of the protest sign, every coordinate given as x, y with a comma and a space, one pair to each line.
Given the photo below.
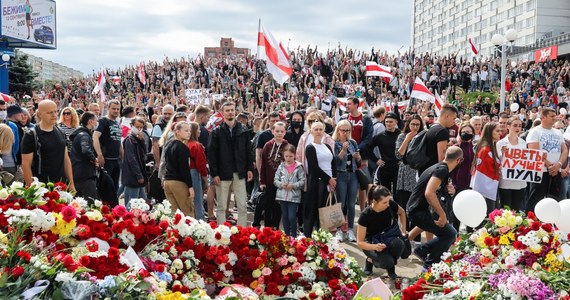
523, 164
193, 96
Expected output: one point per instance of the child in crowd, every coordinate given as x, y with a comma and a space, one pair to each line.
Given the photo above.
289, 180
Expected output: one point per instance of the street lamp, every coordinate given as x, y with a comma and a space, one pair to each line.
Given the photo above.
504, 42
4, 73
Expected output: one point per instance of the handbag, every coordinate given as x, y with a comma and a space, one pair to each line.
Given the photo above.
389, 234
331, 216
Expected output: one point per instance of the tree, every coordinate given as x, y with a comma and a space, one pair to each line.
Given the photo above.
21, 76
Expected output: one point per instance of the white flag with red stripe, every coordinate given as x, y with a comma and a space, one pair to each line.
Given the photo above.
420, 91
100, 86
374, 69
473, 48
116, 79
341, 103
274, 54
438, 104
141, 74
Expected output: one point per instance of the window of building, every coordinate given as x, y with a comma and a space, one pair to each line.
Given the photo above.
510, 13
531, 5
530, 22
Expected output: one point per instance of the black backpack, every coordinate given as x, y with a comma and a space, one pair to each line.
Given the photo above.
416, 154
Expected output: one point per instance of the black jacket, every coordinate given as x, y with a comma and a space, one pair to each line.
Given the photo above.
82, 154
229, 153
133, 162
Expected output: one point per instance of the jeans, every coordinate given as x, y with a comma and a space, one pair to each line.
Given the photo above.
289, 217
445, 236
133, 192
564, 187
113, 167
387, 258
198, 194
346, 191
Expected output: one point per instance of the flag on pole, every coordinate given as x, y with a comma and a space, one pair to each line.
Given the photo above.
484, 177
5, 97
274, 54
438, 104
374, 69
420, 91
141, 74
473, 48
100, 86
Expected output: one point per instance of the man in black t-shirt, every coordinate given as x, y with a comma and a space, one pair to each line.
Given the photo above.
46, 162
437, 136
107, 141
424, 200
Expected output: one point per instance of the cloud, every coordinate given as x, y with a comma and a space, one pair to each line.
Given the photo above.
94, 33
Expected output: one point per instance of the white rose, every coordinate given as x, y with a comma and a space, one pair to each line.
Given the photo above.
4, 194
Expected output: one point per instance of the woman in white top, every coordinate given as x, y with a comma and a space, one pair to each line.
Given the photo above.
512, 192
321, 177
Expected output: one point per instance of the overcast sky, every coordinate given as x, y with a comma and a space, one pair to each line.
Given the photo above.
96, 33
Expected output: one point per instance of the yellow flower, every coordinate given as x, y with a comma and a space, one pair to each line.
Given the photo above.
427, 275
171, 296
535, 249
256, 273
331, 264
506, 239
254, 284
61, 227
481, 240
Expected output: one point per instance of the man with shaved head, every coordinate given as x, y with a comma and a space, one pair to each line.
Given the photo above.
44, 149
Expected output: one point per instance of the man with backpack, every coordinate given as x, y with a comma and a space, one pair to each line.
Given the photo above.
437, 137
44, 149
84, 157
107, 141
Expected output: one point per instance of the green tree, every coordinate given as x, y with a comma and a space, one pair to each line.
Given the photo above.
21, 76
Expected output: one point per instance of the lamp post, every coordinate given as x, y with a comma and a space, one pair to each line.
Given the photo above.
504, 42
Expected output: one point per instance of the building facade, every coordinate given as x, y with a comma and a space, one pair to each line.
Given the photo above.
48, 70
444, 26
226, 48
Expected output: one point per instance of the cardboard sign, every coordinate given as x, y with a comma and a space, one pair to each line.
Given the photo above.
523, 164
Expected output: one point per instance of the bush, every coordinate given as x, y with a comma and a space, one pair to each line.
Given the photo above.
472, 96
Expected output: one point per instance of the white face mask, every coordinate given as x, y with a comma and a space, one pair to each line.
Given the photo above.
3, 115
135, 131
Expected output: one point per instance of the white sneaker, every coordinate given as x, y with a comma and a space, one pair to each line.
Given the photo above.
339, 236
351, 236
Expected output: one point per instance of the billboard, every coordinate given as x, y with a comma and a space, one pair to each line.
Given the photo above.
29, 23
543, 54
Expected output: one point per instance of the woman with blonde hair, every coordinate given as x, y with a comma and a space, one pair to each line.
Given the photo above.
178, 185
68, 122
348, 158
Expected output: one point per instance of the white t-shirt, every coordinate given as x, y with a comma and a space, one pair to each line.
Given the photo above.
550, 140
505, 183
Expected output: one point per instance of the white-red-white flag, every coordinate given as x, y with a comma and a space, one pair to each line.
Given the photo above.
438, 104
374, 69
100, 86
341, 103
275, 56
116, 79
141, 74
420, 91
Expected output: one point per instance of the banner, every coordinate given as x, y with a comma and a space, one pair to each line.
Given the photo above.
543, 54
523, 164
30, 21
193, 96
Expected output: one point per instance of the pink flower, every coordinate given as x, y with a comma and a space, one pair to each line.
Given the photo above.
266, 271
504, 229
68, 213
495, 213
119, 211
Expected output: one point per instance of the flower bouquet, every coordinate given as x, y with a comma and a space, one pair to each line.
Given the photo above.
514, 256
53, 245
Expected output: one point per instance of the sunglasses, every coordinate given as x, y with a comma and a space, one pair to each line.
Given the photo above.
67, 113
345, 130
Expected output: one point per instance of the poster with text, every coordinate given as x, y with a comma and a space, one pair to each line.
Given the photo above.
30, 21
523, 164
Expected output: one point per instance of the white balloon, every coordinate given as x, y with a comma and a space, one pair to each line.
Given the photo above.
563, 111
565, 251
470, 208
563, 222
514, 107
548, 210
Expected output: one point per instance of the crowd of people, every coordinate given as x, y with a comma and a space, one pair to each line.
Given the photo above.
282, 151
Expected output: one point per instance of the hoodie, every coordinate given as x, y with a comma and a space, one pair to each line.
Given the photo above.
82, 154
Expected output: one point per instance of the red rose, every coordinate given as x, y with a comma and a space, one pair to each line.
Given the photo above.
85, 260
60, 186
24, 255
68, 213
535, 226
531, 215
92, 246
333, 284
177, 218
218, 235
113, 252
547, 227
83, 232
163, 224
17, 271
160, 268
